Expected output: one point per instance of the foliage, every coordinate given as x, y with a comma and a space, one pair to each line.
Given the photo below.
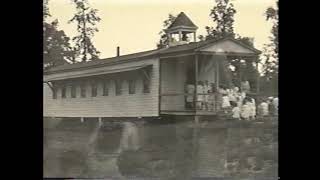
270, 51
164, 41
56, 46
86, 19
269, 81
46, 9
223, 16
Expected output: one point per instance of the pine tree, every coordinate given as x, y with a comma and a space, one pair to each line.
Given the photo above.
86, 19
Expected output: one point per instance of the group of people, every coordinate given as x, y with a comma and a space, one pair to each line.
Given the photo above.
205, 96
243, 107
234, 101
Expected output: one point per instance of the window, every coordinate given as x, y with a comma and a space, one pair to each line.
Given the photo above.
118, 87
105, 89
63, 92
83, 90
132, 86
146, 86
54, 93
94, 89
73, 91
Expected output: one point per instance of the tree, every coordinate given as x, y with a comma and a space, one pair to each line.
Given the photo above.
270, 54
164, 40
46, 9
271, 50
86, 19
223, 16
56, 46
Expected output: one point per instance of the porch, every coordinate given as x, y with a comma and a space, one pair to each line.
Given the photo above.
181, 75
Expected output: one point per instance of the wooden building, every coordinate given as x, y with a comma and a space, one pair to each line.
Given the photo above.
144, 84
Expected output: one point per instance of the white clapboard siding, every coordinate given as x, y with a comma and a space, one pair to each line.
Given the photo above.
125, 105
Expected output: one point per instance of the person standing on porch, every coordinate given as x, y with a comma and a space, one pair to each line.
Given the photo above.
264, 108
200, 90
225, 102
235, 111
206, 89
190, 96
252, 106
275, 103
232, 96
245, 110
245, 86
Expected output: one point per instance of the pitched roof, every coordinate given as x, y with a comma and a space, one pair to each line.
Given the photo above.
182, 20
156, 52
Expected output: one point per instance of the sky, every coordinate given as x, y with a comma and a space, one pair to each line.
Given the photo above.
134, 25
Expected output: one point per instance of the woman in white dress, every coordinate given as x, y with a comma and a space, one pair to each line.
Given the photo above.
190, 96
200, 90
225, 103
245, 110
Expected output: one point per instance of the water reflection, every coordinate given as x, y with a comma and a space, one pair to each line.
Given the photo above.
162, 149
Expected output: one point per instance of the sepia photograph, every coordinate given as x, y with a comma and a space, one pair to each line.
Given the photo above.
160, 89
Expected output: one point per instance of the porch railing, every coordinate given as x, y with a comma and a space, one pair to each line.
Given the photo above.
209, 102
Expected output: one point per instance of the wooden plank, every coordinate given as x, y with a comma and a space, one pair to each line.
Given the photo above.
188, 112
176, 56
184, 94
229, 54
164, 112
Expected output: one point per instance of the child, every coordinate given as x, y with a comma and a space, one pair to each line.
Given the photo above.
235, 111
253, 109
245, 110
239, 101
252, 106
232, 96
264, 108
225, 102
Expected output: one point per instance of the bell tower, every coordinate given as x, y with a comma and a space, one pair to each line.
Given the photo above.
181, 31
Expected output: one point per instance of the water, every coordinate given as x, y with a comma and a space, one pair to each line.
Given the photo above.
160, 150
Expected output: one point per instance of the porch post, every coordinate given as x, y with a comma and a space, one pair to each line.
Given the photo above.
196, 81
240, 73
217, 74
258, 75
216, 103
180, 35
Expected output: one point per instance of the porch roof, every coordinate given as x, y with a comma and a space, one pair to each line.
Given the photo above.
190, 48
95, 73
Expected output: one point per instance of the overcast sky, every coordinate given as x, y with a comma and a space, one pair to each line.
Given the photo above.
134, 24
